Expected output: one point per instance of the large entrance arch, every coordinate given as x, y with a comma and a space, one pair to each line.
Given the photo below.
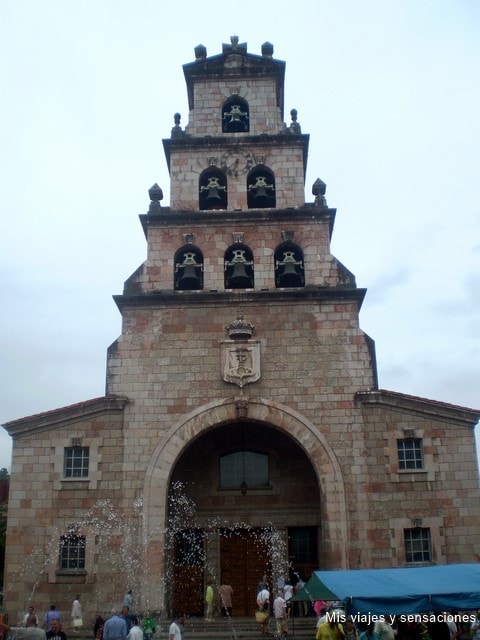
187, 459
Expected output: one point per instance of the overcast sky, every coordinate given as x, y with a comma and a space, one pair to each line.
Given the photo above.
389, 92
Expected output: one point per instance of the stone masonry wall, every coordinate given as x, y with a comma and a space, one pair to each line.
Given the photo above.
209, 96
286, 162
263, 238
443, 497
313, 359
44, 506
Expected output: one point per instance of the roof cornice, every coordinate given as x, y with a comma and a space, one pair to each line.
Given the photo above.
234, 63
179, 218
65, 415
319, 295
425, 406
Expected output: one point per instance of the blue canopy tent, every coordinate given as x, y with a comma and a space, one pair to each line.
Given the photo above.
453, 587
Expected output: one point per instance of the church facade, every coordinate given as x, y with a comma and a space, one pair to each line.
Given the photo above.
243, 430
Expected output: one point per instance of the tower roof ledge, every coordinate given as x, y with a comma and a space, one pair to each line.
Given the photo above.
186, 217
234, 61
317, 294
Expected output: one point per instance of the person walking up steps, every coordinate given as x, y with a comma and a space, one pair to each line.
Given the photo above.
209, 602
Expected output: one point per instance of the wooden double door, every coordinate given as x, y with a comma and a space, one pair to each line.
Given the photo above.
244, 559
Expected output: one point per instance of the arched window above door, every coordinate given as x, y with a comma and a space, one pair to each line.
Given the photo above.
289, 265
238, 267
188, 269
247, 468
261, 188
235, 115
212, 189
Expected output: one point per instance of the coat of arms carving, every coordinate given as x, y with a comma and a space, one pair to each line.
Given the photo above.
241, 362
240, 355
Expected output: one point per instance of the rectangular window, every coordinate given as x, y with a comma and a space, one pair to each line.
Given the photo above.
410, 453
417, 545
76, 462
72, 552
302, 545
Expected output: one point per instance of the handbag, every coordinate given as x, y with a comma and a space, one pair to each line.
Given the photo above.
261, 616
77, 622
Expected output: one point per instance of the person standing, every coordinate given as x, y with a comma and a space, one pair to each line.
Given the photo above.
135, 632
149, 626
98, 627
127, 616
319, 607
174, 631
331, 631
303, 604
128, 600
450, 620
280, 613
115, 628
29, 632
77, 618
226, 593
351, 632
263, 601
56, 632
209, 602
30, 612
384, 630
52, 614
287, 596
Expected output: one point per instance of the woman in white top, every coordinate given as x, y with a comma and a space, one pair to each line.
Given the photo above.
135, 632
175, 632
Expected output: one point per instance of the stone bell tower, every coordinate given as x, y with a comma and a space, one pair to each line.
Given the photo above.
238, 169
241, 320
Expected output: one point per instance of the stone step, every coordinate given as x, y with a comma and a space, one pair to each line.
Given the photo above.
243, 629
240, 628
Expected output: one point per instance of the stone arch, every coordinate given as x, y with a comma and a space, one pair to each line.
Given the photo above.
261, 193
239, 267
289, 265
306, 435
212, 185
188, 268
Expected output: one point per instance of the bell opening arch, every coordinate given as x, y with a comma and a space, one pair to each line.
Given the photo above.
240, 477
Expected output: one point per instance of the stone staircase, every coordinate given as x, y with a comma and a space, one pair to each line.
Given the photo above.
242, 629
235, 628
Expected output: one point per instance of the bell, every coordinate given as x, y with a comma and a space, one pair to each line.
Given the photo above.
236, 119
290, 276
239, 278
261, 199
189, 281
236, 124
213, 198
